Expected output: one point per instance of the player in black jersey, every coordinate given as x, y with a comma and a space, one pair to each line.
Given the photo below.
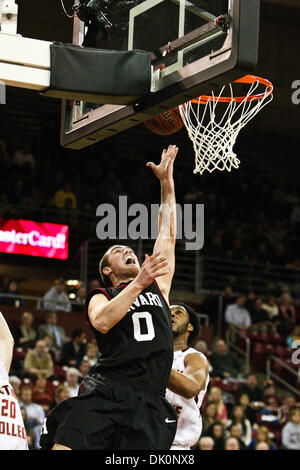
123, 406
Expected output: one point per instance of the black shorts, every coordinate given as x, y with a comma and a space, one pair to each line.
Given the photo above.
111, 415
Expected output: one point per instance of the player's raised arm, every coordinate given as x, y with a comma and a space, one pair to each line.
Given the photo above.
165, 243
6, 343
190, 383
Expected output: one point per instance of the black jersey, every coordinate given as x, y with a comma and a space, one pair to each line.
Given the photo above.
139, 348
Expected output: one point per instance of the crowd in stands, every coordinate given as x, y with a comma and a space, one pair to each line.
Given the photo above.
47, 367
261, 229
240, 411
56, 297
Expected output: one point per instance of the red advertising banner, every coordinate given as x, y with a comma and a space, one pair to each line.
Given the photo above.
26, 237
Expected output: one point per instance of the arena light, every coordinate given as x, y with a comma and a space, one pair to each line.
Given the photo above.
72, 282
27, 237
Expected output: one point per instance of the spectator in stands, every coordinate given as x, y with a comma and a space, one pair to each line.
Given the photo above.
259, 316
51, 328
79, 299
84, 369
25, 335
287, 312
279, 255
91, 354
288, 403
69, 214
238, 418
56, 298
47, 340
291, 431
262, 446
215, 396
254, 392
216, 248
217, 432
250, 301
73, 351
15, 383
206, 443
244, 402
65, 193
29, 430
228, 297
271, 399
17, 192
235, 430
263, 255
262, 435
201, 346
209, 416
294, 336
14, 297
61, 393
272, 309
231, 443
23, 157
224, 363
38, 362
72, 377
35, 412
40, 394
237, 316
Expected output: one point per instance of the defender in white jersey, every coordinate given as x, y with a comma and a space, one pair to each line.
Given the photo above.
12, 430
189, 378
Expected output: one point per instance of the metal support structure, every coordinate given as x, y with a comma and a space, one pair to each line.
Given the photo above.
204, 317
24, 62
245, 353
193, 8
200, 34
84, 254
283, 382
220, 316
198, 272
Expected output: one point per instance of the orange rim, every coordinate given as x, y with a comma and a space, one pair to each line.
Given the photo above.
239, 99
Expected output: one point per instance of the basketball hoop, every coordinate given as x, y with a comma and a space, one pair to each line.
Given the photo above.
214, 136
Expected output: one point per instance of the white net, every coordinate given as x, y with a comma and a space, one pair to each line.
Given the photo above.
213, 132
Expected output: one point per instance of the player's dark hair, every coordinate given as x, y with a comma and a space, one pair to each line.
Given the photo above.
193, 320
106, 282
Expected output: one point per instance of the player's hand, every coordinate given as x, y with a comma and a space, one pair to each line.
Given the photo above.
153, 266
164, 171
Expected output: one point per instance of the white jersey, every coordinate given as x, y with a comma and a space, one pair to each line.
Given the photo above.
189, 425
12, 430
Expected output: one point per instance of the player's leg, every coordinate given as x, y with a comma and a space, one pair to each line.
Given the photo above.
150, 423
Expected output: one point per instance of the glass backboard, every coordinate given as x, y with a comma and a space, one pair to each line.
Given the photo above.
196, 47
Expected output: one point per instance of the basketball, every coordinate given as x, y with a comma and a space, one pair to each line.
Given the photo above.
166, 123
